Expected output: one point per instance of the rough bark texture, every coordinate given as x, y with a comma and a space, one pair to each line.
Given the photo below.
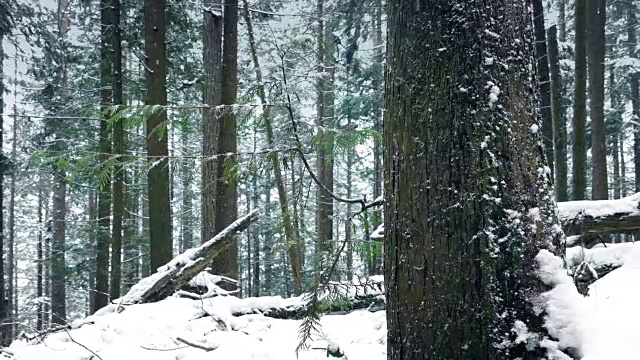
596, 18
463, 158
292, 241
40, 252
157, 136
119, 173
579, 159
558, 115
544, 83
211, 58
616, 122
58, 249
226, 263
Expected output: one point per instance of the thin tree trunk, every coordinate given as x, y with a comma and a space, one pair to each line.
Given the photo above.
5, 330
268, 242
46, 307
40, 253
375, 260
596, 18
119, 147
227, 188
562, 21
615, 145
255, 238
211, 56
58, 250
292, 242
559, 120
93, 219
348, 237
579, 158
161, 244
11, 259
186, 223
632, 43
623, 168
544, 84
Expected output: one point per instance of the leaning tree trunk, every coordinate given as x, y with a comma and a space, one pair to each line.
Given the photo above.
461, 88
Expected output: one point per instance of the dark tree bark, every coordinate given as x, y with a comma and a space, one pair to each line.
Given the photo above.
226, 263
562, 21
544, 83
58, 249
616, 121
92, 210
211, 93
119, 173
596, 18
558, 116
461, 88
101, 296
579, 159
40, 252
267, 249
161, 243
12, 289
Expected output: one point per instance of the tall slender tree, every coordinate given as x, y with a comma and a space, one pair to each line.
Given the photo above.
453, 292
596, 18
5, 329
226, 263
579, 158
558, 116
632, 43
157, 136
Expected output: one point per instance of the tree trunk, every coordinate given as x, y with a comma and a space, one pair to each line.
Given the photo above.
58, 249
623, 168
12, 309
268, 242
5, 330
101, 296
119, 147
324, 148
375, 260
559, 120
596, 18
617, 125
40, 253
348, 237
579, 159
93, 219
544, 83
186, 223
562, 21
226, 263
161, 242
292, 242
632, 43
452, 291
211, 93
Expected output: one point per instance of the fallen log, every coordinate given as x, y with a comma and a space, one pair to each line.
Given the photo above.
601, 259
177, 273
584, 220
595, 217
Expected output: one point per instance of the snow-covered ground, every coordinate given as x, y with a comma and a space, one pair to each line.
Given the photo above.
603, 326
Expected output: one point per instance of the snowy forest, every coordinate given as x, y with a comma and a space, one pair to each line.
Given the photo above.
350, 179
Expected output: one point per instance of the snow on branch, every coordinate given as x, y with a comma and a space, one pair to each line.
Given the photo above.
600, 216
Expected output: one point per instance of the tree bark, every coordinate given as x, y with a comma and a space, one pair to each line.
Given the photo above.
119, 173
187, 221
559, 121
161, 243
11, 246
40, 253
58, 249
460, 88
5, 330
596, 18
375, 259
616, 121
632, 42
292, 242
544, 83
579, 159
211, 93
226, 263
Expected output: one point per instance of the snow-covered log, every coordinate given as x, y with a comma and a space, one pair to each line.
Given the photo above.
178, 272
600, 216
601, 259
585, 219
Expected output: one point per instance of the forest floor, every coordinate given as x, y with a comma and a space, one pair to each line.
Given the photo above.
603, 326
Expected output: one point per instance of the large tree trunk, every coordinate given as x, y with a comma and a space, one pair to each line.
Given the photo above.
579, 159
226, 263
292, 242
452, 291
211, 58
544, 84
559, 120
119, 147
157, 136
58, 249
596, 10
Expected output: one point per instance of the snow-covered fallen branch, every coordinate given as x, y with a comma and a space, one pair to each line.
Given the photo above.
602, 259
178, 272
591, 217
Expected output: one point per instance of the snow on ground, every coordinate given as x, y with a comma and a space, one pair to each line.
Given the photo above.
603, 326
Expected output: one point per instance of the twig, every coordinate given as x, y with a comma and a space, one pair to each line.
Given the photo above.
197, 346
81, 345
